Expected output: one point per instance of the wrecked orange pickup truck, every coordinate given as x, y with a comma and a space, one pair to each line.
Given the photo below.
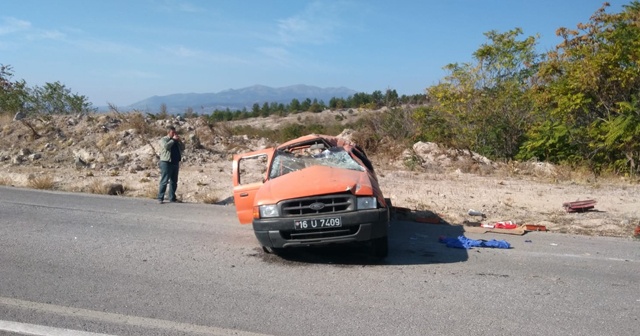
313, 190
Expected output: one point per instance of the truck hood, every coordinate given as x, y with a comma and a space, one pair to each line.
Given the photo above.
313, 181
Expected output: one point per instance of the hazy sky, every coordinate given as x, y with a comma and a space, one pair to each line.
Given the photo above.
123, 51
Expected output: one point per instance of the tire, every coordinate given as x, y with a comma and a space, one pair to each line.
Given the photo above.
389, 208
380, 247
273, 250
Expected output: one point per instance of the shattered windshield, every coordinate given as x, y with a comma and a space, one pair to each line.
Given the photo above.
285, 162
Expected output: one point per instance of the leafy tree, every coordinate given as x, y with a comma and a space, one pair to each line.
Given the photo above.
13, 95
243, 114
295, 107
337, 103
227, 114
360, 99
377, 99
315, 106
434, 126
56, 98
588, 88
164, 112
265, 111
292, 131
190, 113
391, 98
255, 110
549, 141
217, 115
486, 103
315, 128
417, 99
305, 105
622, 135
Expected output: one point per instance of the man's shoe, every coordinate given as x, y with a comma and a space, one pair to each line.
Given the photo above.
160, 201
175, 201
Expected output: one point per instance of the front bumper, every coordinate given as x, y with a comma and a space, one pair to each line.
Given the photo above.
361, 225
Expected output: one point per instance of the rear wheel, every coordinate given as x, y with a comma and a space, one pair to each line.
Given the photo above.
380, 247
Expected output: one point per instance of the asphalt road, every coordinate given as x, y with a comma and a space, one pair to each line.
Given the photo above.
77, 264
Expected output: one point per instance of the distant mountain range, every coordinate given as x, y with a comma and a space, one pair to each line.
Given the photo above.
237, 99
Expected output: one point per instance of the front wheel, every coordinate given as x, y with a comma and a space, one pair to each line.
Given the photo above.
380, 247
273, 250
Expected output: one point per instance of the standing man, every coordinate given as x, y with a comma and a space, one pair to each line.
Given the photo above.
171, 149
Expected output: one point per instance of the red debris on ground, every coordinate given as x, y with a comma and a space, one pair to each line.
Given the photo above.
579, 206
509, 225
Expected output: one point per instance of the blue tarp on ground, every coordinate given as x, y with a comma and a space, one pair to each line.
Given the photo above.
467, 243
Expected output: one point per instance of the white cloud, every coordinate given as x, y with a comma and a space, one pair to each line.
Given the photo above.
133, 74
185, 52
320, 23
182, 54
23, 31
47, 35
102, 46
189, 8
280, 55
178, 6
317, 24
12, 25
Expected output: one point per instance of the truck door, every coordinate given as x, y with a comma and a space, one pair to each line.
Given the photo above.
249, 173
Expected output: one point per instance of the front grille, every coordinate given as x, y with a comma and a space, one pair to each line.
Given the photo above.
318, 205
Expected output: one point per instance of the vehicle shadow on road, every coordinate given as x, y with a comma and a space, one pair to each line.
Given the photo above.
410, 243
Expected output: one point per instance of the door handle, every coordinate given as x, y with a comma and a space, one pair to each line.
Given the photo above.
244, 194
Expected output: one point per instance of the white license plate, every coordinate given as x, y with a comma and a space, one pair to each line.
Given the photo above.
317, 223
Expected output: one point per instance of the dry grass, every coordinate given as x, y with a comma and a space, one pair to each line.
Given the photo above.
6, 120
107, 141
97, 187
149, 191
137, 122
45, 182
224, 129
5, 181
412, 162
207, 199
206, 131
6, 129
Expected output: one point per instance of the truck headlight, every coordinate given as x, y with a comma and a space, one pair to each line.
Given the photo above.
367, 203
269, 210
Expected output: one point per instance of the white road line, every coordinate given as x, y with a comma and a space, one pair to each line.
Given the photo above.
120, 319
570, 255
38, 330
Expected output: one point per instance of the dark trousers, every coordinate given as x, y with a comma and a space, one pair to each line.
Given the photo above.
168, 176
